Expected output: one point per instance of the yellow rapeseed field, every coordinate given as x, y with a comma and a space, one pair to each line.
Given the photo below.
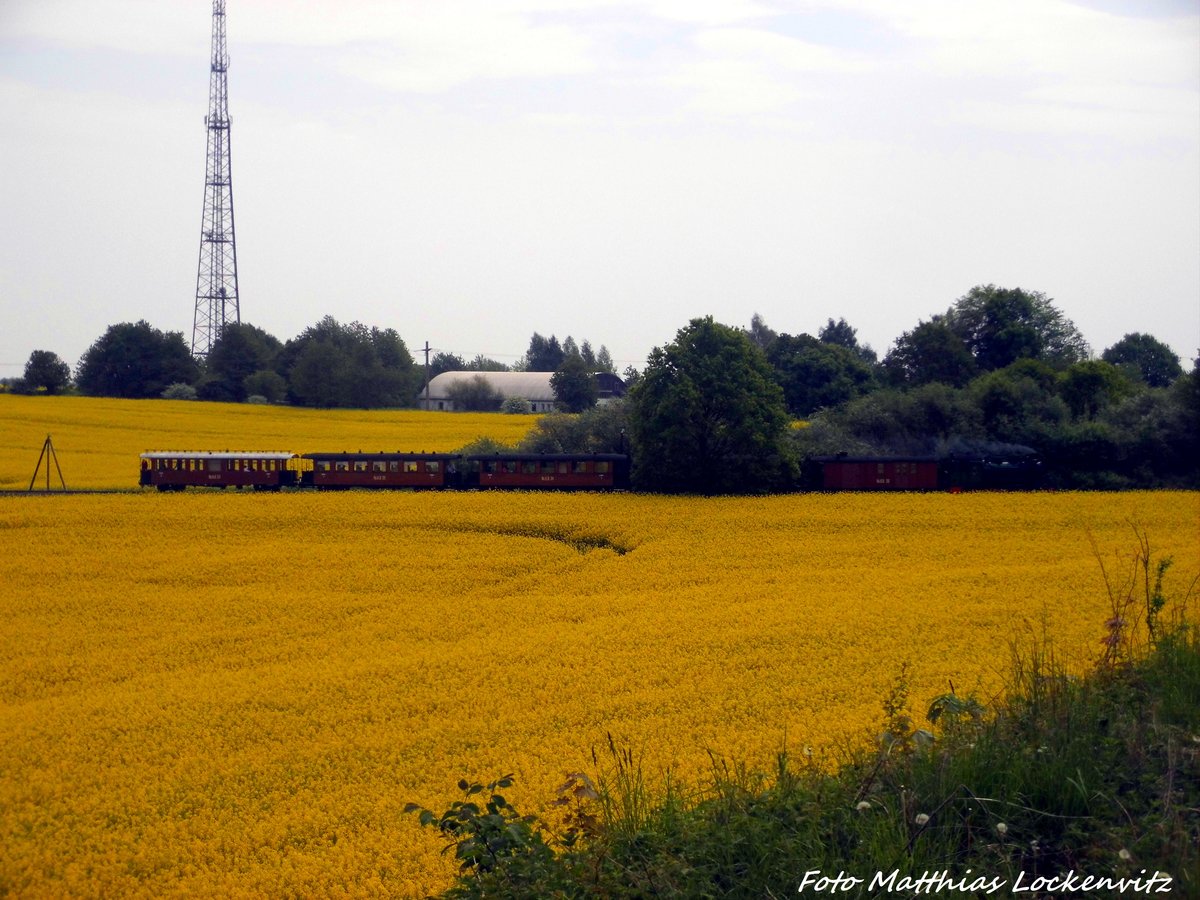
98, 440
235, 694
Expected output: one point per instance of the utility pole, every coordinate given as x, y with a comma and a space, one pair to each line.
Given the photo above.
426, 348
216, 277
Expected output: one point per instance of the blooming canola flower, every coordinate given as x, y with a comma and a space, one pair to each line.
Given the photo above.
236, 694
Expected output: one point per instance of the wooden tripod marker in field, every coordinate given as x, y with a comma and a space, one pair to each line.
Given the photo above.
48, 454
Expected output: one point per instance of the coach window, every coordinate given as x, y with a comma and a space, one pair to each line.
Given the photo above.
602, 468
433, 467
410, 465
548, 467
379, 466
323, 466
341, 466
579, 467
528, 468
394, 466
360, 466
510, 466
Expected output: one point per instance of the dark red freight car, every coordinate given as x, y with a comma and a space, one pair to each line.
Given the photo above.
175, 470
873, 473
558, 471
380, 470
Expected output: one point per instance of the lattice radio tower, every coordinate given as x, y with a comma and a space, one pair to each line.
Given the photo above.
216, 279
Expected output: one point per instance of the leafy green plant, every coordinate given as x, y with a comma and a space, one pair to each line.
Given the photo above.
484, 837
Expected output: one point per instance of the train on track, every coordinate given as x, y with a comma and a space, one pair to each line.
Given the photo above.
178, 470
271, 471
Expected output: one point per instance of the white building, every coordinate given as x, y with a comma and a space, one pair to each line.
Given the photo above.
532, 386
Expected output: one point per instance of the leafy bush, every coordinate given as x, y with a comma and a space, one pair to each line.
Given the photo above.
179, 391
516, 406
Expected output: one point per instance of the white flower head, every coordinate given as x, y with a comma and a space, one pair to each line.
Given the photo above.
1001, 829
921, 819
1125, 854
863, 806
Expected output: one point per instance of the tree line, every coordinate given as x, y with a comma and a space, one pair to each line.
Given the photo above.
1002, 372
330, 364
727, 409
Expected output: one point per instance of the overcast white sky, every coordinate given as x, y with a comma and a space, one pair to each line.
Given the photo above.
470, 171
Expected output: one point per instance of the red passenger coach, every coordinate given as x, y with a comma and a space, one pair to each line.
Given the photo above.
559, 471
381, 470
175, 470
862, 473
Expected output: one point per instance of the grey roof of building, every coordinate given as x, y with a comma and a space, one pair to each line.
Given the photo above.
527, 385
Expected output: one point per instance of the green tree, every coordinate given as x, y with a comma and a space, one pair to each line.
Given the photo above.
265, 383
544, 354
1093, 385
46, 372
336, 365
446, 362
483, 363
1145, 358
135, 360
707, 416
760, 333
816, 374
240, 351
604, 361
574, 385
474, 394
918, 420
1001, 325
1019, 402
841, 334
930, 353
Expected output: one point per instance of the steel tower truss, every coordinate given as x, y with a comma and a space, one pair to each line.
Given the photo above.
216, 279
